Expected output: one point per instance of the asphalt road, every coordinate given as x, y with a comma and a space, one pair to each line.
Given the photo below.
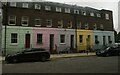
92, 64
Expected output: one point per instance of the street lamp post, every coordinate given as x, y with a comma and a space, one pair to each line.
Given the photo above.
4, 7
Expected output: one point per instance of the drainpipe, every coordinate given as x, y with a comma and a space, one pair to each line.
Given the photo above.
75, 29
1, 28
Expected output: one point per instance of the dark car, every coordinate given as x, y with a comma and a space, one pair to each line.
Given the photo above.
28, 55
109, 51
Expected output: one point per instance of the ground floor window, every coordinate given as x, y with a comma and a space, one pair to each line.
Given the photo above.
62, 38
14, 38
39, 38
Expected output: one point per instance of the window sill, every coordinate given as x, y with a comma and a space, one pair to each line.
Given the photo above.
14, 44
62, 43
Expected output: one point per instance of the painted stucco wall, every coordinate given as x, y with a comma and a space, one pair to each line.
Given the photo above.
67, 33
100, 35
85, 43
45, 37
21, 31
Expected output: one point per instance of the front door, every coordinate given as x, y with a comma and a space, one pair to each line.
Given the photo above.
72, 41
104, 40
27, 41
51, 41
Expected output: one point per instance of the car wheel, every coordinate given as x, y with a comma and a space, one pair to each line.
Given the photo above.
107, 54
14, 60
43, 58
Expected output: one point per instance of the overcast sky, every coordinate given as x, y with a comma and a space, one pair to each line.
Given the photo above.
98, 4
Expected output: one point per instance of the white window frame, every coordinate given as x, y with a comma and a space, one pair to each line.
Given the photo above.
69, 24
47, 8
37, 6
50, 20
76, 11
91, 14
12, 20
67, 10
60, 23
107, 16
13, 38
61, 38
39, 21
41, 39
58, 9
86, 26
13, 4
24, 20
95, 26
98, 15
79, 24
84, 13
25, 5
101, 26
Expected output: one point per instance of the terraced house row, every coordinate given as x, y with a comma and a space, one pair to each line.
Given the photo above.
56, 27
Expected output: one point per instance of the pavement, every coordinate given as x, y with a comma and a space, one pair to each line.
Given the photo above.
70, 55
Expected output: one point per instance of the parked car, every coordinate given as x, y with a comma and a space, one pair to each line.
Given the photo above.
28, 55
109, 51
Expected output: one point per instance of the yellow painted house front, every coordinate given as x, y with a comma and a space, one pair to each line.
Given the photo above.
84, 39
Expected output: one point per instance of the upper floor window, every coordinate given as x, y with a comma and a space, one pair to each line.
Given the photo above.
84, 13
69, 24
76, 11
58, 9
60, 24
14, 38
78, 24
37, 22
107, 16
24, 21
109, 39
86, 26
37, 6
47, 8
13, 4
101, 26
94, 26
98, 15
25, 5
91, 14
49, 23
12, 20
67, 10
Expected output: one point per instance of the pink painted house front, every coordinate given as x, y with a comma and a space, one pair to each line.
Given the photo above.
44, 38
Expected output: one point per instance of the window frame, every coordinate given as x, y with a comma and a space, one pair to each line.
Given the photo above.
70, 24
67, 10
13, 43
25, 6
12, 20
50, 20
79, 25
92, 14
107, 17
58, 9
13, 4
25, 20
39, 22
62, 39
76, 11
80, 38
84, 13
95, 26
98, 15
86, 26
40, 39
37, 7
48, 8
60, 22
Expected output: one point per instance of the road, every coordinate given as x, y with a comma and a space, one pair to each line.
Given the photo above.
92, 64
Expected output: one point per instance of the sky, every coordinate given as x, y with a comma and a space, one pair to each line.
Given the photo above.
97, 4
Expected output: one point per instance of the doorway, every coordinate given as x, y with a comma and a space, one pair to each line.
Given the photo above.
27, 41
